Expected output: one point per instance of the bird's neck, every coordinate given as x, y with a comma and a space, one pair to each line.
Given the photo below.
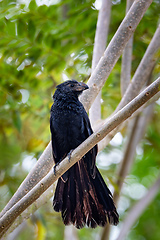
66, 100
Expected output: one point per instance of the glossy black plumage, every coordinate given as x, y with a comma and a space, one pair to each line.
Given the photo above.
81, 193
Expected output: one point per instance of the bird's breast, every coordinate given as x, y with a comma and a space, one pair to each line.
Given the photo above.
68, 128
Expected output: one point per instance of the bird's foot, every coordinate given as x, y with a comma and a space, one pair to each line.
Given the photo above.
54, 168
69, 155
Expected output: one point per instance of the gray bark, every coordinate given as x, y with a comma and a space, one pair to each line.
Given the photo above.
98, 50
126, 59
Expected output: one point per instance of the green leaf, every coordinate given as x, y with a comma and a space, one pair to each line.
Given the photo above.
32, 6
10, 26
17, 120
21, 27
31, 29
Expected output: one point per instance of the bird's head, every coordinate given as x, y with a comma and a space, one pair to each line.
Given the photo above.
71, 87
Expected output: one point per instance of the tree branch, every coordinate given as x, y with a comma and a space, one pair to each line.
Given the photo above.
136, 130
43, 199
102, 144
41, 168
126, 59
98, 50
138, 209
114, 50
9, 217
143, 71
136, 134
141, 75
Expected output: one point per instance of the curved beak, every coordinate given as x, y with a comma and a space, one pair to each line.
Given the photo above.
81, 86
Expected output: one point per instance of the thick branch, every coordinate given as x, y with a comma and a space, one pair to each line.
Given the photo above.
42, 167
98, 50
143, 71
101, 32
43, 199
114, 50
126, 59
77, 154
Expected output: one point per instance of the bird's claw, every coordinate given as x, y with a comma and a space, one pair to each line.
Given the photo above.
69, 155
54, 168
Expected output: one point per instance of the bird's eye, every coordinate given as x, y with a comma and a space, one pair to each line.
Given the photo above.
72, 85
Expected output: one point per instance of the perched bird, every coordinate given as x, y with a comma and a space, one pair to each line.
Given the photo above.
81, 194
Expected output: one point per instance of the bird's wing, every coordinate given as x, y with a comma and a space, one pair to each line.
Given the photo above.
91, 155
55, 148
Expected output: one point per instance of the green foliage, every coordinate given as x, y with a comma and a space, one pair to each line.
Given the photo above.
35, 46
38, 46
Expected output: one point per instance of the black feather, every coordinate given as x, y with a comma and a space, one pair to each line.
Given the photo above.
81, 194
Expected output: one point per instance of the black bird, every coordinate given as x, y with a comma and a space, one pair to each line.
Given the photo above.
81, 194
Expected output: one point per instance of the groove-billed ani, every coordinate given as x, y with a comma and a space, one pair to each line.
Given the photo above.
81, 193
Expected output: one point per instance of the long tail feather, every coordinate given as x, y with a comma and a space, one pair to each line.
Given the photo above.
84, 200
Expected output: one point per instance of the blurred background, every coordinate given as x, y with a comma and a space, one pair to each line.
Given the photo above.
43, 43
